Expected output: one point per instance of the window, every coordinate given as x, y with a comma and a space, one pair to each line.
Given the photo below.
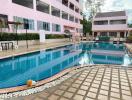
113, 34
81, 13
77, 0
43, 7
78, 30
71, 18
4, 18
30, 23
64, 15
76, 9
104, 34
71, 6
43, 26
105, 22
55, 11
76, 20
65, 2
25, 3
56, 28
123, 21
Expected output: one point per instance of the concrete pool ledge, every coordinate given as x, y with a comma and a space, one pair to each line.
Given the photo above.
32, 51
26, 51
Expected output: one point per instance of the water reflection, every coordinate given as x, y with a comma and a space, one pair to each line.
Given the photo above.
41, 65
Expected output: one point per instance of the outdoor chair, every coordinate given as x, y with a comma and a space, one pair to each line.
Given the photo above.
15, 45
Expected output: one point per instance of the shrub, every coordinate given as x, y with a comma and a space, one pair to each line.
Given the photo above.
23, 36
55, 36
129, 39
29, 36
104, 38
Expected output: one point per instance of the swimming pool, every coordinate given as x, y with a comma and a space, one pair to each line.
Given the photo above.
15, 71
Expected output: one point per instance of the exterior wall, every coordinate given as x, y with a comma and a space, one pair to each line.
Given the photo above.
12, 9
109, 28
116, 27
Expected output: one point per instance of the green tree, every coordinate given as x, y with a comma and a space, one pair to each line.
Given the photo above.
87, 26
130, 25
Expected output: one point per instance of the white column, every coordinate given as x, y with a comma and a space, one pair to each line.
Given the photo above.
92, 34
128, 33
108, 34
10, 16
98, 34
50, 10
35, 21
34, 4
118, 34
125, 34
108, 22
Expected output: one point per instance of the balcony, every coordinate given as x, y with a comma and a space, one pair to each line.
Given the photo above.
113, 22
71, 18
43, 7
65, 2
76, 9
64, 15
77, 0
55, 11
25, 3
76, 20
105, 22
119, 27
71, 6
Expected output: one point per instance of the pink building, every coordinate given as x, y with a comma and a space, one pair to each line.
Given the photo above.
113, 24
52, 16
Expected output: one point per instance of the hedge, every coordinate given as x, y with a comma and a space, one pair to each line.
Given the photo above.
29, 36
104, 38
129, 39
56, 36
23, 36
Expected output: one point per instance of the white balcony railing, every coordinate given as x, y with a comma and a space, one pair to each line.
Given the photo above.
118, 27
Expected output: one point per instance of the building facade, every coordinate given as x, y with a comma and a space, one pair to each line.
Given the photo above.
52, 16
113, 24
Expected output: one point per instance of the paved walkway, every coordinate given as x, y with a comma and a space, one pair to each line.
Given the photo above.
95, 83
31, 48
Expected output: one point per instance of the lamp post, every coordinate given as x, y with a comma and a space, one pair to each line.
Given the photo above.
26, 27
26, 39
16, 33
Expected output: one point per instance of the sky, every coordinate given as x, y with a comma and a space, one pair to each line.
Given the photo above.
117, 5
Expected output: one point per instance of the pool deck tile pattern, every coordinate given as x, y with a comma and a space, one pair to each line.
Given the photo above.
102, 82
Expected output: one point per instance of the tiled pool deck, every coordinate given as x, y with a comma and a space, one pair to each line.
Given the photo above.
102, 82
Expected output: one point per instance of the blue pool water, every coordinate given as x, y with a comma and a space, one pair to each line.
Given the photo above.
15, 71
